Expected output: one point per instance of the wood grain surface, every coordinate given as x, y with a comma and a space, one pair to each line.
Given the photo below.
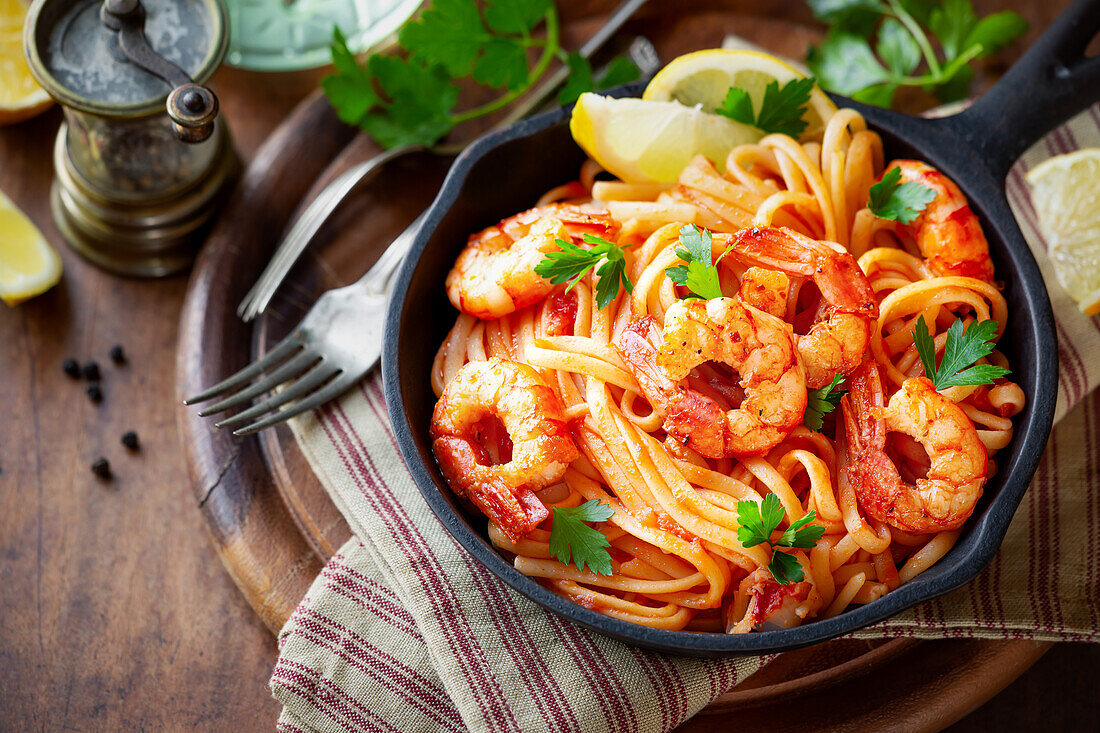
115, 613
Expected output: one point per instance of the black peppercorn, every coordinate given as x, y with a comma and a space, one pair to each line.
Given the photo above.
118, 356
71, 367
101, 468
95, 392
130, 440
91, 371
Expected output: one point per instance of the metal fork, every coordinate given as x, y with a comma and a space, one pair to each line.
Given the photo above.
338, 341
318, 211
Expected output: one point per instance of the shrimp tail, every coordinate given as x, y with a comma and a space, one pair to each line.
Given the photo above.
516, 512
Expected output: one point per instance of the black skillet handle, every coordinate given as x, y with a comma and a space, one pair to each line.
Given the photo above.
1050, 83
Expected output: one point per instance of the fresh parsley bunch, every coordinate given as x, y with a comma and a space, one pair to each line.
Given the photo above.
411, 98
917, 43
759, 521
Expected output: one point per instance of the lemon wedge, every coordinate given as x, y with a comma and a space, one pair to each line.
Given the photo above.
704, 78
642, 142
29, 266
20, 96
1065, 191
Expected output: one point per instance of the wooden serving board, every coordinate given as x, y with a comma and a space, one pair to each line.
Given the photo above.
274, 526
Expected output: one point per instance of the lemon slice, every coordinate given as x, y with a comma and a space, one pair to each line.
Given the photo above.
29, 266
704, 78
1065, 191
643, 142
20, 96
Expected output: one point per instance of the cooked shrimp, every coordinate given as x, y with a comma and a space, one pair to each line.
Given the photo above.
947, 232
842, 326
495, 275
946, 497
758, 346
771, 605
541, 444
767, 290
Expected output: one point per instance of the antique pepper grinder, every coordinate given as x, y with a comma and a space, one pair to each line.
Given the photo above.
142, 160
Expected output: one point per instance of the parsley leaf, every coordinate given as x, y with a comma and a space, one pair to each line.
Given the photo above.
799, 535
420, 100
581, 79
503, 63
844, 63
960, 351
572, 262
904, 54
897, 47
822, 401
449, 33
351, 89
952, 22
700, 274
515, 16
902, 203
785, 568
781, 109
995, 31
757, 522
573, 540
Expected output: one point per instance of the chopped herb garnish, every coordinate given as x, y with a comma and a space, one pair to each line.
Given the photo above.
573, 540
822, 401
700, 274
572, 262
781, 110
759, 521
960, 353
900, 202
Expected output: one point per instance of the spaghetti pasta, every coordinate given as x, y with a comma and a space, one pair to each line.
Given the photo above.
677, 562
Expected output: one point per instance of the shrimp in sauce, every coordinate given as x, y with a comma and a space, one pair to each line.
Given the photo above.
944, 499
772, 605
495, 275
947, 232
759, 346
541, 444
841, 331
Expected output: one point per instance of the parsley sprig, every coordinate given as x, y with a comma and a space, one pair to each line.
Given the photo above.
572, 262
411, 98
699, 274
820, 402
961, 350
759, 521
781, 109
573, 540
902, 202
905, 34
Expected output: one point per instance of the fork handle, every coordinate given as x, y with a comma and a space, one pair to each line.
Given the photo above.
379, 279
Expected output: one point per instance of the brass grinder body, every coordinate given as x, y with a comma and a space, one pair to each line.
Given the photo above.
142, 162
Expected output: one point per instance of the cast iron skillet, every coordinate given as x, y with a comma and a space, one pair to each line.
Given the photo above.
507, 171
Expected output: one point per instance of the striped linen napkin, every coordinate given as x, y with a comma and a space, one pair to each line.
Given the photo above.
404, 631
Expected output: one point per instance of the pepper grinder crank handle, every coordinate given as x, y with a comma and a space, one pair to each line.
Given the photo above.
191, 107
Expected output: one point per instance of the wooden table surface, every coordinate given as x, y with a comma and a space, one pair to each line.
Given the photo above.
115, 613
